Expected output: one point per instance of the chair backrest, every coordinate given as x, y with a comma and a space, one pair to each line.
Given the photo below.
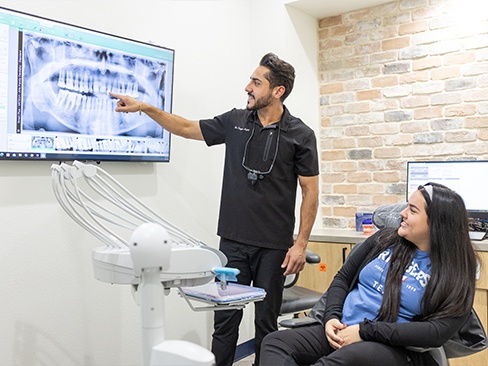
388, 215
385, 216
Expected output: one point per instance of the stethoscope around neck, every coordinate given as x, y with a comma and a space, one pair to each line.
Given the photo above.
254, 174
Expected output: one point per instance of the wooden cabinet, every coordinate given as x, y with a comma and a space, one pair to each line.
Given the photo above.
332, 255
319, 276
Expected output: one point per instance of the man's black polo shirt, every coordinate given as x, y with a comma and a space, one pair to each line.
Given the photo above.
261, 214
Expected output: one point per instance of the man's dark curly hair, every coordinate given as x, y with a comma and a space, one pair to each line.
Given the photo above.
281, 73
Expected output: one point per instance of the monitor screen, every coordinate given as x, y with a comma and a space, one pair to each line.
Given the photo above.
54, 84
467, 178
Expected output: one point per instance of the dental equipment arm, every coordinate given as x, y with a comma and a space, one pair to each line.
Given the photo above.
158, 256
106, 209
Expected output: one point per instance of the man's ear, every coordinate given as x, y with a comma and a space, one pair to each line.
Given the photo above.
278, 91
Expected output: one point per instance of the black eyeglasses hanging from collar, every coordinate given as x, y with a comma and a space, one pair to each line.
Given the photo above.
259, 156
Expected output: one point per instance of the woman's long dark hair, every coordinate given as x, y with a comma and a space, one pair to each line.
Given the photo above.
450, 290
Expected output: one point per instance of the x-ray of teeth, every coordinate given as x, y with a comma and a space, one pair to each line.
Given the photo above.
156, 147
42, 142
138, 147
83, 144
66, 85
69, 143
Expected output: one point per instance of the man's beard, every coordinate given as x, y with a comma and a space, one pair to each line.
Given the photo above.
261, 102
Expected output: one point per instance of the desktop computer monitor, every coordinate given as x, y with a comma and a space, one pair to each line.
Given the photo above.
467, 178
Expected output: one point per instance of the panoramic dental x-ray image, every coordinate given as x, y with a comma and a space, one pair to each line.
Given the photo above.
66, 85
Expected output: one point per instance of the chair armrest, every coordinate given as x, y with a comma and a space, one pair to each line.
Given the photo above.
298, 322
420, 349
312, 257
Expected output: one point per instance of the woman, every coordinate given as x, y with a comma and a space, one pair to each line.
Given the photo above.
409, 286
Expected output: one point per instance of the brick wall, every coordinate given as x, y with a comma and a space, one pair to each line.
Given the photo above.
403, 81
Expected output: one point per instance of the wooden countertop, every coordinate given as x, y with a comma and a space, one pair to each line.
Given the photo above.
349, 236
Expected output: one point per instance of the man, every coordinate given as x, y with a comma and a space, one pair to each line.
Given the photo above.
267, 152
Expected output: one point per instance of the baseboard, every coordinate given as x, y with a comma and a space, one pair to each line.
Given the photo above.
244, 349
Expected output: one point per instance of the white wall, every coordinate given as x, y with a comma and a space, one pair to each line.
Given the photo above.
53, 311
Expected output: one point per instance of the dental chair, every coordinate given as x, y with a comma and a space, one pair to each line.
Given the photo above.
383, 216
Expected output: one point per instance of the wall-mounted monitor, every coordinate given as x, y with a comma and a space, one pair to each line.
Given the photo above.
54, 84
467, 178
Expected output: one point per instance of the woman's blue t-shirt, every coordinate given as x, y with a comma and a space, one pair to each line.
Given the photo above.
364, 301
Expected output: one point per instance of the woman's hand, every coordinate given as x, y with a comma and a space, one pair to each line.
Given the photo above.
349, 334
332, 329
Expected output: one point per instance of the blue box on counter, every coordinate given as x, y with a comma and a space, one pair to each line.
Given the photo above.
360, 218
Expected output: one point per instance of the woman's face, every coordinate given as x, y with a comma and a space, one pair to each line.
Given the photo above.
415, 223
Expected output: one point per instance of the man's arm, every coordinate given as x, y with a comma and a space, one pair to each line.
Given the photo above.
295, 258
175, 124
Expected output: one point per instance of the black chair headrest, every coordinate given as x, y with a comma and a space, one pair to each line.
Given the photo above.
388, 215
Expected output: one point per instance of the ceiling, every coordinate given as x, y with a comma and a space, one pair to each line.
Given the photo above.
327, 8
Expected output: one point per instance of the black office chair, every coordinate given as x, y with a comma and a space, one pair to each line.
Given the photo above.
299, 299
